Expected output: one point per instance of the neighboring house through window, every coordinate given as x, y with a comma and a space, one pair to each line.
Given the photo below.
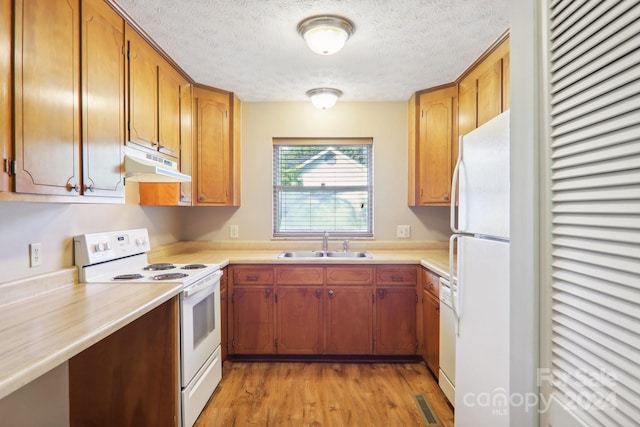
322, 185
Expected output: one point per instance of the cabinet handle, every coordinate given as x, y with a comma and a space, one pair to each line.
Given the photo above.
91, 188
446, 197
75, 188
396, 278
267, 292
381, 293
252, 277
318, 293
202, 197
331, 293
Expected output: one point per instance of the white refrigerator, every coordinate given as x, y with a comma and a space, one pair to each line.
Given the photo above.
481, 288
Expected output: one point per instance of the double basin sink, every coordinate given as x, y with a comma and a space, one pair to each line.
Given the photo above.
325, 254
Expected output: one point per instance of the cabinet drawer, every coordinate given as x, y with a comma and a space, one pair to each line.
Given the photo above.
349, 275
299, 275
431, 282
253, 276
397, 275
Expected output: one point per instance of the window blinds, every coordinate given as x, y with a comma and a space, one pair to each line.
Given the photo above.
322, 185
594, 76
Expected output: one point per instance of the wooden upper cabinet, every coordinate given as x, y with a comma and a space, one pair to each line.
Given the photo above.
434, 136
143, 91
217, 155
47, 94
170, 84
6, 127
103, 102
186, 142
483, 92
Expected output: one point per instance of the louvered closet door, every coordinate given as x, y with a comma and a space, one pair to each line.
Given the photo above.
594, 77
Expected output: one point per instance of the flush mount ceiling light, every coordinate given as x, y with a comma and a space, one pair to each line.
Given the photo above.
326, 34
324, 97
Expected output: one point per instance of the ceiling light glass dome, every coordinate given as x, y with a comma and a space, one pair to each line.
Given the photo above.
327, 34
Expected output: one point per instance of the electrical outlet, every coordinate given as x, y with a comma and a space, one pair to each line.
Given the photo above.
233, 231
404, 231
35, 254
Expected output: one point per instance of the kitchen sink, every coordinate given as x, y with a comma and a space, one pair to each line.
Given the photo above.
348, 254
322, 254
301, 254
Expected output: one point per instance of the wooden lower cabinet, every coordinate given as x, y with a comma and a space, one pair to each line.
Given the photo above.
253, 320
323, 310
224, 311
431, 330
349, 312
299, 320
131, 377
431, 320
396, 320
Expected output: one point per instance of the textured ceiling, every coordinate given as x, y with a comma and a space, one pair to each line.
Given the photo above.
252, 48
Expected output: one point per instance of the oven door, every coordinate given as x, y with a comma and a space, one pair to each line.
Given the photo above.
200, 318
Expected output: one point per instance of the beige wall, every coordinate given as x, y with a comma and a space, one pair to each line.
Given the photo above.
54, 225
385, 122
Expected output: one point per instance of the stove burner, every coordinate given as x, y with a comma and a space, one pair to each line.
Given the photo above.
128, 276
169, 276
193, 266
159, 266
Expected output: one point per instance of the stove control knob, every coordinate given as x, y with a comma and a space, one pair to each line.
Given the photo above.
108, 246
100, 247
141, 241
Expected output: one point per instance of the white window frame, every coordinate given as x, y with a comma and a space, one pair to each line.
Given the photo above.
278, 189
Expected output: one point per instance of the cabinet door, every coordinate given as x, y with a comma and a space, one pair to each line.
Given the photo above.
396, 320
490, 93
47, 93
349, 320
213, 148
224, 312
143, 91
467, 120
102, 100
431, 330
436, 128
169, 85
186, 142
300, 320
253, 323
6, 19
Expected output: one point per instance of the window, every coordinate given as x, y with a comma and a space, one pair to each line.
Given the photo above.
322, 185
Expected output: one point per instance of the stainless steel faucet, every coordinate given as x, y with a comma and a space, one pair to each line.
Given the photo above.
325, 241
345, 245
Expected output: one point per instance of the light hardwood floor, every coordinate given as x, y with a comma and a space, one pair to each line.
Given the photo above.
323, 395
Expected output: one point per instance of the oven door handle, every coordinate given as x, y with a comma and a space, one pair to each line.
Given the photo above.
192, 290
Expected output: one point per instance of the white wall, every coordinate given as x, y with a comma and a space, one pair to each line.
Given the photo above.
54, 225
385, 122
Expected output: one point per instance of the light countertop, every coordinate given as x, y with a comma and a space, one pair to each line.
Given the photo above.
47, 320
434, 257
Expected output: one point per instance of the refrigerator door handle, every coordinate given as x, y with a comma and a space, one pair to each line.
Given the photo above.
455, 282
454, 190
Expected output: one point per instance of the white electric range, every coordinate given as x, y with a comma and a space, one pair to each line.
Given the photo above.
121, 256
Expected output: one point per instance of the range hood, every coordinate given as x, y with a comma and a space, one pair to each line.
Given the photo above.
140, 166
